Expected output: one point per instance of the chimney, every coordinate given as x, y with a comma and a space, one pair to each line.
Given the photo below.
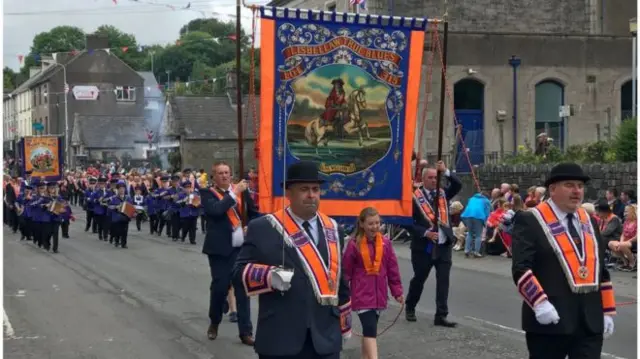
231, 87
33, 71
95, 42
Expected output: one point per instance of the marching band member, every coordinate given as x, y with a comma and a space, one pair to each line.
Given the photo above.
306, 314
139, 201
42, 220
188, 212
162, 196
119, 220
99, 207
66, 217
428, 237
558, 267
174, 207
111, 192
54, 231
370, 261
23, 205
223, 208
89, 205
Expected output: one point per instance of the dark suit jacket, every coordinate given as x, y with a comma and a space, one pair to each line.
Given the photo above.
219, 229
284, 318
420, 225
618, 208
531, 250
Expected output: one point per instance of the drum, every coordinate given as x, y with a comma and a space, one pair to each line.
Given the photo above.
194, 200
128, 209
57, 207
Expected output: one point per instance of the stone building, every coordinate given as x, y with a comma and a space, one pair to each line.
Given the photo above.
204, 130
98, 83
512, 64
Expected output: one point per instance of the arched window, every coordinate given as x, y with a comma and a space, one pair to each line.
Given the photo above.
549, 98
626, 100
468, 102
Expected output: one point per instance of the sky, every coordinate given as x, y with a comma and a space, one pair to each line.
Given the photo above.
151, 21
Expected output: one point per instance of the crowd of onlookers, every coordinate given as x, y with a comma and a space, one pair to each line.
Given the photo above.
484, 226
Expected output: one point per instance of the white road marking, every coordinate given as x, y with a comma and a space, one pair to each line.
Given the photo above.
519, 331
25, 338
20, 293
8, 329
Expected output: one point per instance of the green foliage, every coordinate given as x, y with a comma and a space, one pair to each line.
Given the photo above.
203, 51
595, 152
9, 78
175, 160
626, 142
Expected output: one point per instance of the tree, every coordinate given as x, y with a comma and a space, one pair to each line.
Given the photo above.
58, 39
214, 27
193, 47
122, 45
219, 72
626, 141
9, 78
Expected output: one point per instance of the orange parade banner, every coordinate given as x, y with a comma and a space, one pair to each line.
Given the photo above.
42, 156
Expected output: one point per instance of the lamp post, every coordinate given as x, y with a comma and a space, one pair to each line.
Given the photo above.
633, 29
66, 113
515, 61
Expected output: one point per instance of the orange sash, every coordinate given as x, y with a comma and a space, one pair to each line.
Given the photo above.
234, 212
323, 278
580, 268
372, 267
427, 210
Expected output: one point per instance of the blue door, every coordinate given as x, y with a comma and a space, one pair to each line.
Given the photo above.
472, 123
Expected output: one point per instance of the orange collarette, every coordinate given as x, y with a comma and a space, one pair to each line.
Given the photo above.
372, 268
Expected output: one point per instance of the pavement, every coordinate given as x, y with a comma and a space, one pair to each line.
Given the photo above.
92, 300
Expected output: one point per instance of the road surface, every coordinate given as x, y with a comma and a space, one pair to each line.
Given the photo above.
92, 300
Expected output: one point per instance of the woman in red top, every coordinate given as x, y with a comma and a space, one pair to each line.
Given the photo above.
628, 241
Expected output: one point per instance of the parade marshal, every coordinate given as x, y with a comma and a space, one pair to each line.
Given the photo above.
305, 308
558, 268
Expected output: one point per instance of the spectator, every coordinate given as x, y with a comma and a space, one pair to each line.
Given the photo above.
614, 202
628, 197
610, 225
531, 194
474, 218
591, 210
627, 244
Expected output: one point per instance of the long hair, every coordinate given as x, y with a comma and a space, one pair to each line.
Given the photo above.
358, 232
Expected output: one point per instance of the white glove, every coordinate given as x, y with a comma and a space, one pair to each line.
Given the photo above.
608, 326
346, 336
279, 280
546, 313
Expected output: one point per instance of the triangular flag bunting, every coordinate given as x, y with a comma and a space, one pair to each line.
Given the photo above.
178, 42
232, 37
20, 58
125, 48
74, 52
90, 51
108, 51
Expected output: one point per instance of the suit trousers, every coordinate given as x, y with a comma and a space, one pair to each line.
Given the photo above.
153, 223
162, 222
189, 228
64, 226
581, 345
221, 268
175, 225
422, 262
54, 235
26, 228
308, 352
120, 231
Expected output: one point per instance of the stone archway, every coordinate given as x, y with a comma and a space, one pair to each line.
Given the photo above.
468, 102
549, 96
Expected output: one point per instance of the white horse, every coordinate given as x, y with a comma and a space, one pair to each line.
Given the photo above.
317, 135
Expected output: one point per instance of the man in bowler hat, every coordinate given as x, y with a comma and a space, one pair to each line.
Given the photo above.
559, 270
307, 315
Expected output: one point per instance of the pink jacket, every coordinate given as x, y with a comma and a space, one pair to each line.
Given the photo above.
370, 291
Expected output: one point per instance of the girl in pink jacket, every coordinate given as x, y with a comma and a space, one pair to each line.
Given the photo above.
370, 266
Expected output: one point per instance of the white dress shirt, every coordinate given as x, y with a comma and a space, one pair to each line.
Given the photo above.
562, 217
313, 228
442, 237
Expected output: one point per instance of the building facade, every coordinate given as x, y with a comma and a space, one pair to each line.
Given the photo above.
513, 64
93, 82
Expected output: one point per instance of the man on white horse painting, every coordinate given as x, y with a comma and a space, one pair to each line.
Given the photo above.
334, 108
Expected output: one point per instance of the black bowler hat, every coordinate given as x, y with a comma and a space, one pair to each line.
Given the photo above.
566, 172
603, 206
302, 172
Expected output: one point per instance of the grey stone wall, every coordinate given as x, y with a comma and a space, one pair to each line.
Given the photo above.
603, 176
